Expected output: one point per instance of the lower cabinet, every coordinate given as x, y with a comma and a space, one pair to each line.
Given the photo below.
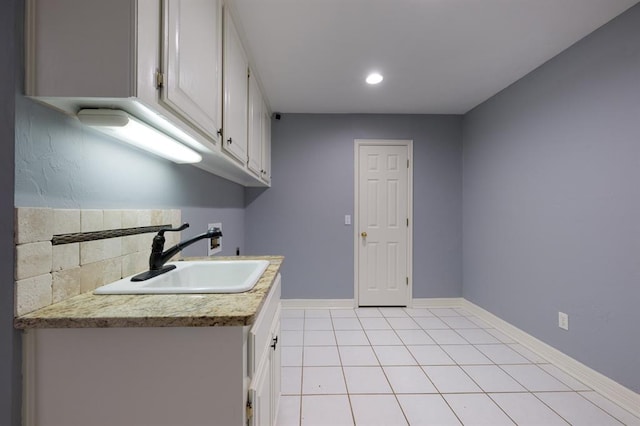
264, 390
187, 376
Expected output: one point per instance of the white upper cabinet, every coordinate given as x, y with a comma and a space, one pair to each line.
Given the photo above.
255, 127
236, 87
259, 133
266, 146
192, 55
158, 61
161, 61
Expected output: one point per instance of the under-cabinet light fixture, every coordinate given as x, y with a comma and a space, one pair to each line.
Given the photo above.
122, 126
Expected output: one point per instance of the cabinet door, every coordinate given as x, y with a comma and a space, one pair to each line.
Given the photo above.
275, 369
260, 394
255, 127
266, 145
192, 55
235, 81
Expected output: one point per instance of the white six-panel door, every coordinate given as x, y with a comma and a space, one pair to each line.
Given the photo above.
382, 222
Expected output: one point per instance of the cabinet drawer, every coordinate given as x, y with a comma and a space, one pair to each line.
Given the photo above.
260, 332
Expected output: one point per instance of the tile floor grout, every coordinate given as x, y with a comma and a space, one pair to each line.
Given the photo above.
445, 322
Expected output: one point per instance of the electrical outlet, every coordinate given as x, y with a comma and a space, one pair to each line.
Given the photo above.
215, 244
563, 321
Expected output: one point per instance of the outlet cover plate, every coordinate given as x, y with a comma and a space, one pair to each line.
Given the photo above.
563, 321
215, 244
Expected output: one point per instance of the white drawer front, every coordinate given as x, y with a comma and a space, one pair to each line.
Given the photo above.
260, 335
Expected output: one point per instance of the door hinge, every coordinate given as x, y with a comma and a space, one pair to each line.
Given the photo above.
159, 80
407, 222
407, 163
407, 280
249, 412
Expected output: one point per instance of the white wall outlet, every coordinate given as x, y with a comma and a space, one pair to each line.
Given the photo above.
563, 321
347, 219
215, 244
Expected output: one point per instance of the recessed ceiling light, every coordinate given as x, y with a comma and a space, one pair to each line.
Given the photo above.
374, 78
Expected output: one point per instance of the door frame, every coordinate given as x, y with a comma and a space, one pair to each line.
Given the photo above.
356, 225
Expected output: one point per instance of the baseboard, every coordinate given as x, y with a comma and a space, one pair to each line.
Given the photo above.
443, 302
438, 302
621, 395
317, 303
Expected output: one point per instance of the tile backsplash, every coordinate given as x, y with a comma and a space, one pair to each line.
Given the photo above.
47, 273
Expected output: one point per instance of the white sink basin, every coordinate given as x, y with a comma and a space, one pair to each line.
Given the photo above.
232, 276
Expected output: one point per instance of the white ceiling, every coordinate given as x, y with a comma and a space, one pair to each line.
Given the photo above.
437, 56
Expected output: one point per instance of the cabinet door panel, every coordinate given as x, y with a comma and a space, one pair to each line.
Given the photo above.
235, 80
191, 50
255, 127
275, 370
260, 394
260, 332
266, 145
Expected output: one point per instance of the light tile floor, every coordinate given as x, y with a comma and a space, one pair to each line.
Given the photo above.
442, 366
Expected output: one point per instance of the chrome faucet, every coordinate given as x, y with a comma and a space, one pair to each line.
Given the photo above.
159, 257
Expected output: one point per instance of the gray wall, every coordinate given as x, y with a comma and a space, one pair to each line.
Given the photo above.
10, 349
552, 201
302, 215
62, 164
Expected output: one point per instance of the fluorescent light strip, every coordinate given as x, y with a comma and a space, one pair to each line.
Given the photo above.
124, 127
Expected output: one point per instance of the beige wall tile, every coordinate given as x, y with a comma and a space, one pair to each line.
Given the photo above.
91, 251
144, 242
65, 256
176, 217
65, 284
33, 259
112, 219
33, 225
33, 293
156, 218
102, 261
113, 270
170, 239
130, 219
91, 220
112, 248
66, 221
167, 219
144, 217
96, 274
91, 276
129, 244
135, 263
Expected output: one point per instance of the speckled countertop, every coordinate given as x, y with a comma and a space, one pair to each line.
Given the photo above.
155, 310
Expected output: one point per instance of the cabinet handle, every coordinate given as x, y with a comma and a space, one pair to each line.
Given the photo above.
230, 141
275, 342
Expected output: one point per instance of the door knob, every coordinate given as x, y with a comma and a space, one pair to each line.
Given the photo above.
364, 234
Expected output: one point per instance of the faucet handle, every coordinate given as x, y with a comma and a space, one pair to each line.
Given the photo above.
178, 229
